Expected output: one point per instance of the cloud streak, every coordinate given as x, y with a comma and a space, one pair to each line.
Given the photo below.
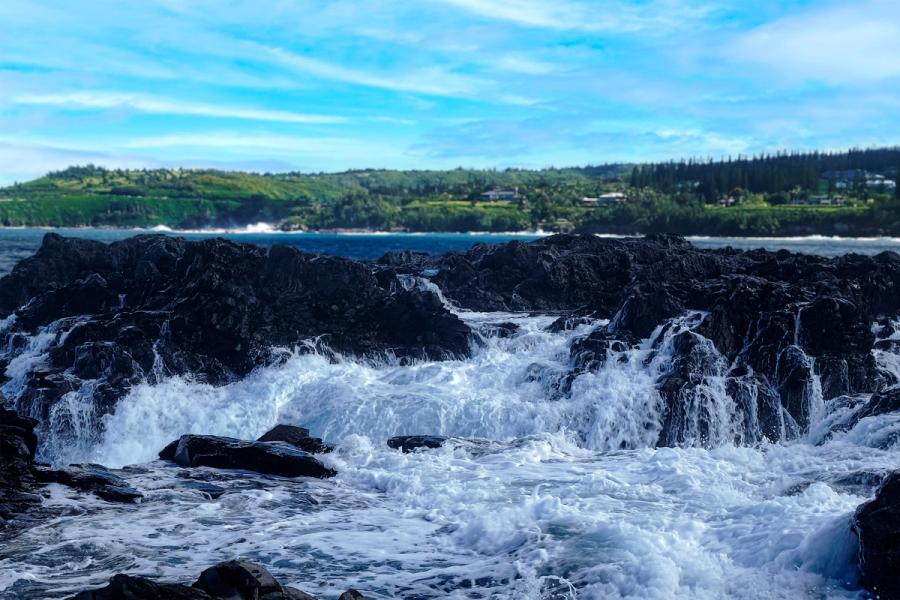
155, 105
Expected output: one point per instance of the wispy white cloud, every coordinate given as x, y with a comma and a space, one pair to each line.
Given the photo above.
151, 104
526, 65
556, 15
432, 81
836, 44
571, 15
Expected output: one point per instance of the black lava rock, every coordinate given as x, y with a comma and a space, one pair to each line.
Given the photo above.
96, 479
231, 580
785, 318
127, 587
271, 458
17, 447
153, 306
410, 443
297, 437
877, 524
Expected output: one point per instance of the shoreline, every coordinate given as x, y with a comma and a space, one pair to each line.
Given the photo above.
268, 229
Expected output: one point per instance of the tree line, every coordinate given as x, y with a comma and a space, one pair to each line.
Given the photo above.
762, 174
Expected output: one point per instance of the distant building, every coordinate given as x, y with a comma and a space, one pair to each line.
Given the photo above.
500, 195
880, 182
730, 200
820, 200
845, 180
610, 199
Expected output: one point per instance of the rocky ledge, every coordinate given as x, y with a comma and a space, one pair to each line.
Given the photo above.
232, 580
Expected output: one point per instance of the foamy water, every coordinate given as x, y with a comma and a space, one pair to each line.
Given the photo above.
562, 496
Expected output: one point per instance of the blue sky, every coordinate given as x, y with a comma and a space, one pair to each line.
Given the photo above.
310, 85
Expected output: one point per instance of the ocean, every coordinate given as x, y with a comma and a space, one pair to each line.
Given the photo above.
557, 497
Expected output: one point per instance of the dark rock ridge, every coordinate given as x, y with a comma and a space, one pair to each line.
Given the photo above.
296, 436
774, 326
231, 580
271, 458
769, 322
150, 306
877, 525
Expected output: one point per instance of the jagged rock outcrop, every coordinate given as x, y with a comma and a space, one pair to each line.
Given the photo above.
776, 320
779, 324
231, 580
150, 306
18, 443
271, 458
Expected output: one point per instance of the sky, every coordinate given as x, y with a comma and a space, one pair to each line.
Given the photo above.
323, 86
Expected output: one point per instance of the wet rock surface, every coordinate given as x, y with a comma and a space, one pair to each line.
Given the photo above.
297, 437
877, 525
270, 458
95, 479
231, 580
18, 443
410, 443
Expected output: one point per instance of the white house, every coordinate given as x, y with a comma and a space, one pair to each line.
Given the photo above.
499, 195
610, 199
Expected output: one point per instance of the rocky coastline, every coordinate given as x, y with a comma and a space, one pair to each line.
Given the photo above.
770, 325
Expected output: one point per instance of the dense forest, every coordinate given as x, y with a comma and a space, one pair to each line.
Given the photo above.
764, 174
846, 193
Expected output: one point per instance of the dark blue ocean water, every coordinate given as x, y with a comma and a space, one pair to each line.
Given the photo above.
16, 244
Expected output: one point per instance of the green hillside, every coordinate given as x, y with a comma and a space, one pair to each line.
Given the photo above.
783, 194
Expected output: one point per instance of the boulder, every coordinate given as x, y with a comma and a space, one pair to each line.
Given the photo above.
297, 437
877, 525
352, 594
270, 458
237, 579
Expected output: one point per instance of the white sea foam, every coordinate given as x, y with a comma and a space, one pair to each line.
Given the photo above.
569, 499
